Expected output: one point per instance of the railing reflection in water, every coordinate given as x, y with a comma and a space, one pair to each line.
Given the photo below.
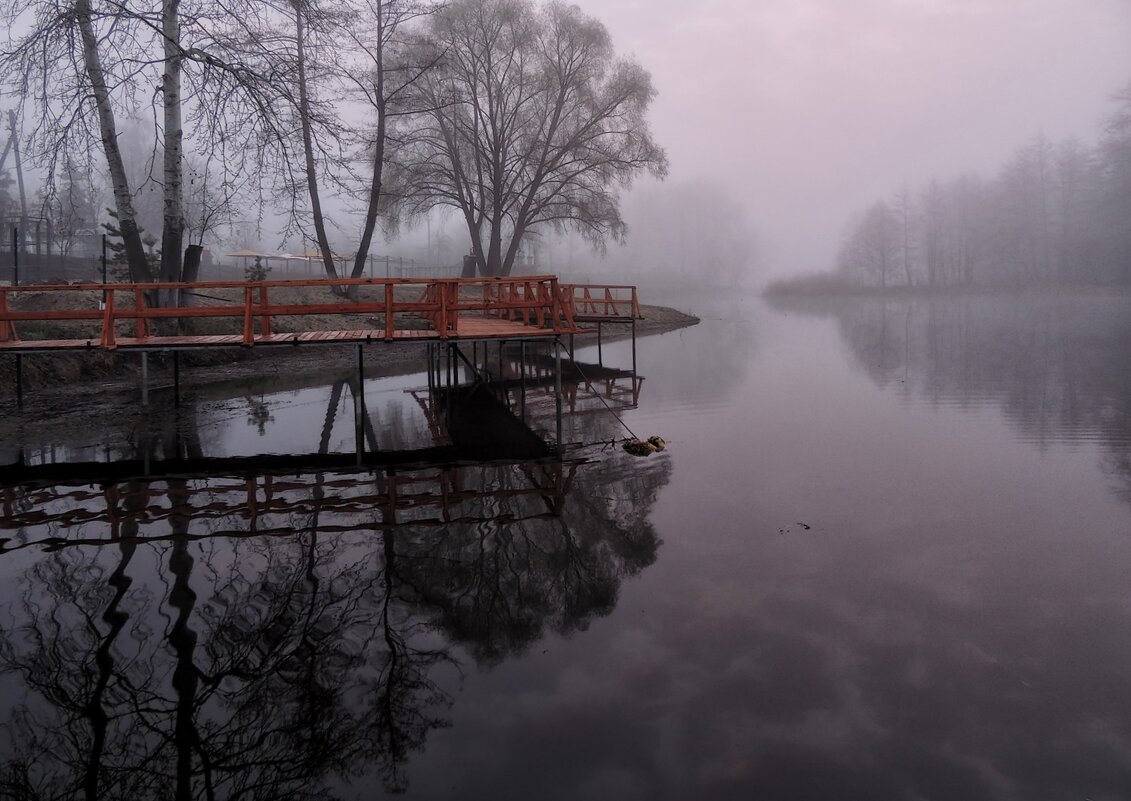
284, 631
255, 505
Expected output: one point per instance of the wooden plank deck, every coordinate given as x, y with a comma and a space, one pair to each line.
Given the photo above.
469, 329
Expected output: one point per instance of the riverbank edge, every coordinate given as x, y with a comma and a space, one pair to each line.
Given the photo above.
805, 289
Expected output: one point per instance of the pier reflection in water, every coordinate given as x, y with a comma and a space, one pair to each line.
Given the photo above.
180, 624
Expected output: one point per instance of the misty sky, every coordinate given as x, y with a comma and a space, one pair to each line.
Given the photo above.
810, 109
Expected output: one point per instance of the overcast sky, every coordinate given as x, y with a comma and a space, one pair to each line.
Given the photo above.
810, 109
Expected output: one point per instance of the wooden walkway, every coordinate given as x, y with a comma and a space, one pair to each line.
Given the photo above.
402, 310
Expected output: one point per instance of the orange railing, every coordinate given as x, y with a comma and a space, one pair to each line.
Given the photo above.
535, 301
591, 302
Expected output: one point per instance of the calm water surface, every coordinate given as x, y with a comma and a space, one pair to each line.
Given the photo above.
886, 555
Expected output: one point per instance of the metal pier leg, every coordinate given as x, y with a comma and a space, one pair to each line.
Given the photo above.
502, 378
558, 389
634, 346
522, 382
145, 444
177, 378
145, 378
19, 381
359, 408
600, 358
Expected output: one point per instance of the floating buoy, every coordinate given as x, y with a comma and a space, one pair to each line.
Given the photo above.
645, 447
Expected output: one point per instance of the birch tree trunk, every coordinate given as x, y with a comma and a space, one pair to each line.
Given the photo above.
123, 198
308, 145
173, 224
381, 106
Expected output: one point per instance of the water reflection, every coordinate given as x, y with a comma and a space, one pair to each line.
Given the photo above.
1053, 365
280, 626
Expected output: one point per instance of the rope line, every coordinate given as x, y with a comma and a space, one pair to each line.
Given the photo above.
599, 396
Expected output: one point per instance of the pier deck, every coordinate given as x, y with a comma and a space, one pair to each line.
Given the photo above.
403, 310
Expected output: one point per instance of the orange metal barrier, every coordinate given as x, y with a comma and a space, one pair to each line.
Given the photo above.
592, 302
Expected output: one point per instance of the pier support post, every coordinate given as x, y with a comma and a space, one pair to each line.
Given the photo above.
600, 357
558, 390
145, 378
359, 408
522, 382
145, 445
502, 378
177, 378
19, 381
633, 346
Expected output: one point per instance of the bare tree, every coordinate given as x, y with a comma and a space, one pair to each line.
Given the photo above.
905, 213
173, 218
380, 63
59, 67
304, 11
70, 201
1026, 205
533, 122
392, 66
870, 252
1114, 187
81, 66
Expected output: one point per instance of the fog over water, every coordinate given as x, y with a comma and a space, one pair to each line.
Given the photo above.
807, 111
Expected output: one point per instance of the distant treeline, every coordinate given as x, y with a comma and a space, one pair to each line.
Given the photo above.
1058, 213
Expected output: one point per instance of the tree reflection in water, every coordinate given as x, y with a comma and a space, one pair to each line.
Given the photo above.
1054, 365
177, 660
